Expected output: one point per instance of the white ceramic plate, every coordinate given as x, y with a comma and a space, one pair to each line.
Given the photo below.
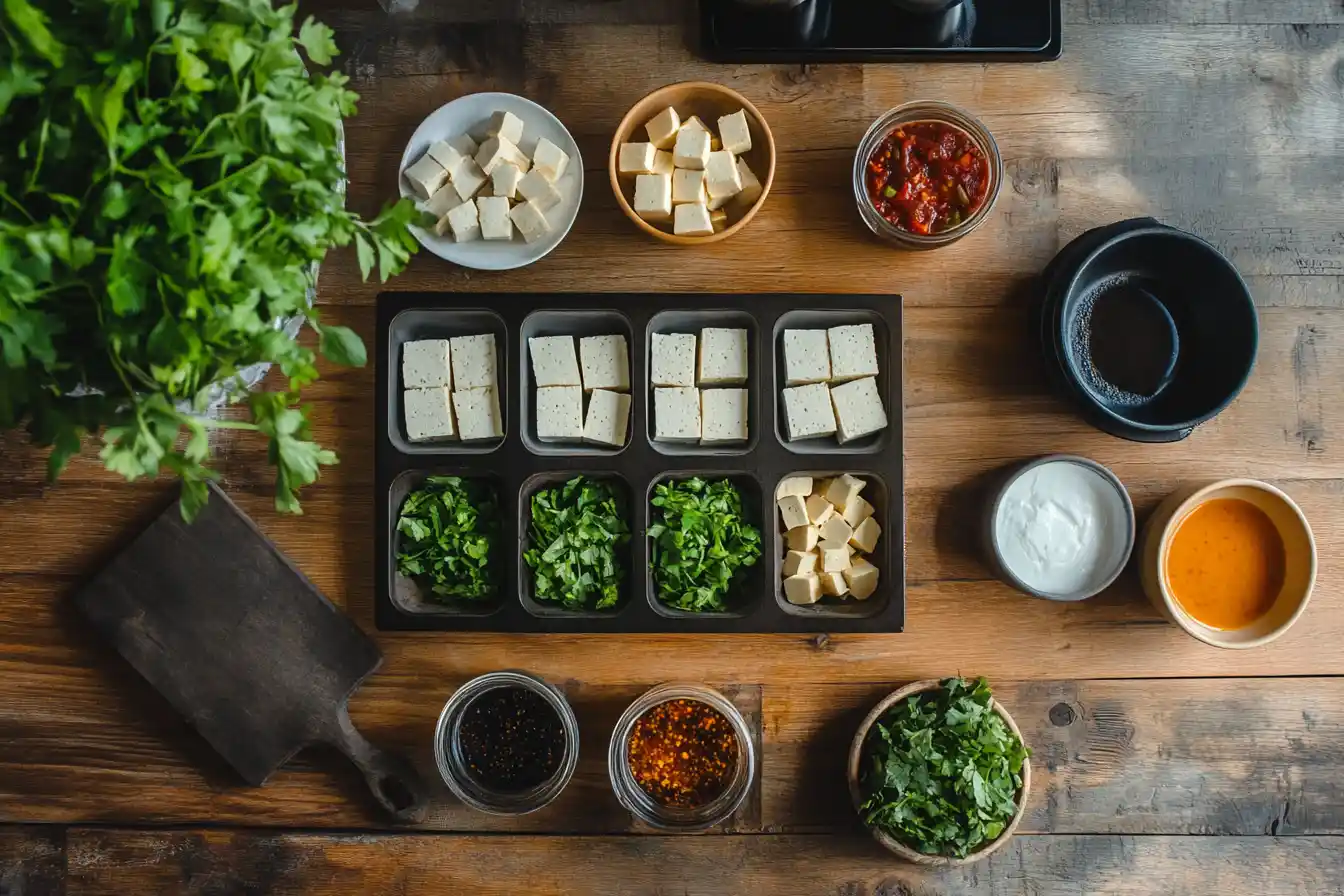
470, 114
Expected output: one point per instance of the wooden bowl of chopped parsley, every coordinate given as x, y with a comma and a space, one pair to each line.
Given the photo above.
939, 772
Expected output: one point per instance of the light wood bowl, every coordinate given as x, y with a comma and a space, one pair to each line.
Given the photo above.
709, 101
891, 843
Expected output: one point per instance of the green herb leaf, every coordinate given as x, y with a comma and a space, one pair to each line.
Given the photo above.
318, 40
575, 535
449, 538
700, 542
342, 346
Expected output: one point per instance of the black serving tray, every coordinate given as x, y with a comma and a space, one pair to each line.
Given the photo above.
519, 465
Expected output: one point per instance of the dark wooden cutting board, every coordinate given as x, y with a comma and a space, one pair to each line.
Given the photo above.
220, 622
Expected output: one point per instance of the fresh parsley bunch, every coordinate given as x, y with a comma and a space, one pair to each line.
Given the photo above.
941, 770
575, 531
449, 541
169, 173
701, 540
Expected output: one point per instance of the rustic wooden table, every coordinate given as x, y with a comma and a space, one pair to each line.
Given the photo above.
1163, 766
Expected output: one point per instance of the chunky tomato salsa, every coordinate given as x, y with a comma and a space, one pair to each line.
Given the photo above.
927, 177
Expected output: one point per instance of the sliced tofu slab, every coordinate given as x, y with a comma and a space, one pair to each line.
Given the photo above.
608, 418
478, 416
425, 363
560, 414
676, 414
672, 359
853, 352
724, 357
808, 412
554, 361
429, 414
807, 357
605, 361
858, 409
723, 416
474, 361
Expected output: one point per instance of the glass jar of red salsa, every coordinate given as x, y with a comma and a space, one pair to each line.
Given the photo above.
927, 177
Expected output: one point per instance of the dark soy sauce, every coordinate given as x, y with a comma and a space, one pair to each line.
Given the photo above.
1126, 341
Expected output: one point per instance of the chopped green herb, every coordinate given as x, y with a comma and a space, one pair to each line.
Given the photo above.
449, 541
889, 192
701, 541
941, 770
575, 533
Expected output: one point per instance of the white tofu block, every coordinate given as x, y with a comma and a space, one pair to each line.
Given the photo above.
866, 535
794, 485
751, 185
819, 511
694, 123
853, 352
605, 361
530, 221
841, 490
808, 412
535, 188
637, 158
798, 563
834, 559
833, 584
478, 414
691, 219
429, 414
735, 132
723, 416
550, 160
836, 530
446, 155
504, 180
717, 203
506, 125
560, 414
691, 149
793, 511
475, 365
723, 357
676, 414
862, 578
802, 590
807, 357
426, 176
465, 222
468, 179
442, 202
554, 362
802, 538
494, 215
425, 363
608, 418
688, 185
672, 359
722, 179
653, 196
497, 151
856, 511
662, 128
662, 162
718, 219
858, 409
464, 145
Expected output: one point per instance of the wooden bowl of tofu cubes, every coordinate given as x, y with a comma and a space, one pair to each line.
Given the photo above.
691, 163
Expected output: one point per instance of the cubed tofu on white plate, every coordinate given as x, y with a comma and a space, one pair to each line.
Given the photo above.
530, 221
550, 160
507, 125
724, 356
853, 352
735, 132
807, 357
676, 414
858, 409
468, 179
723, 416
808, 412
535, 188
464, 221
426, 176
478, 416
672, 359
560, 414
474, 361
494, 216
497, 151
442, 202
425, 363
504, 180
608, 418
429, 414
554, 361
446, 155
605, 361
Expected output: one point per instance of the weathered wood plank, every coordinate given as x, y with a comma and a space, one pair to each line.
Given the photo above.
32, 861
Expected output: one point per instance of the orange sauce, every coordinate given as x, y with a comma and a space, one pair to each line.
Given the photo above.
1225, 563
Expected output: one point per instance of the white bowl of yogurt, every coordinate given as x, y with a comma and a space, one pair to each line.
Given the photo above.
1060, 527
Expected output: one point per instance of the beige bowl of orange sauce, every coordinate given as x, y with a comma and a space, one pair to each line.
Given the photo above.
1233, 563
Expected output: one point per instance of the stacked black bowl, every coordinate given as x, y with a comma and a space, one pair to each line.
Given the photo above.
1149, 330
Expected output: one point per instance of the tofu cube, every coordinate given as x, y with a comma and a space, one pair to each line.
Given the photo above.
429, 414
608, 418
474, 362
662, 128
464, 145
672, 359
841, 490
465, 223
794, 485
833, 584
478, 416
856, 511
446, 155
723, 416
716, 203
802, 590
534, 187
494, 216
802, 538
799, 563
550, 160
807, 357
751, 185
662, 163
853, 352
504, 180
605, 362
653, 196
426, 176
497, 151
530, 221
808, 412
692, 219
793, 511
506, 125
723, 357
834, 559
694, 123
637, 158
554, 362
441, 203
718, 219
862, 578
425, 363
676, 414
858, 409
735, 132
688, 185
468, 179
722, 179
560, 414
866, 535
691, 149
819, 510
836, 530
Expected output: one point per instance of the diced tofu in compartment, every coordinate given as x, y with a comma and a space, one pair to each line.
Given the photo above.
478, 416
799, 563
535, 188
530, 221
550, 160
560, 414
662, 128
426, 176
653, 196
819, 510
691, 149
723, 416
862, 578
506, 125
474, 361
605, 361
724, 357
554, 362
853, 352
807, 357
504, 180
672, 359
802, 538
464, 222
494, 214
834, 559
792, 511
637, 158
608, 418
662, 163
692, 219
858, 409
688, 185
751, 185
841, 490
425, 363
722, 180
856, 511
676, 414
429, 414
833, 584
735, 132
836, 530
808, 413
794, 485
866, 535
802, 590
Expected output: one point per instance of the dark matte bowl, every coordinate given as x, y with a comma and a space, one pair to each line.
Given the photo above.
1209, 304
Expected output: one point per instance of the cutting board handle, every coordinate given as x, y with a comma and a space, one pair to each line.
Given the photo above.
393, 781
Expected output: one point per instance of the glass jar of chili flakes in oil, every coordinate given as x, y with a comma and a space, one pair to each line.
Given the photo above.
682, 758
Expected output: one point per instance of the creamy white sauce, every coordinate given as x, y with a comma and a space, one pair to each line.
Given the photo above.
1060, 528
